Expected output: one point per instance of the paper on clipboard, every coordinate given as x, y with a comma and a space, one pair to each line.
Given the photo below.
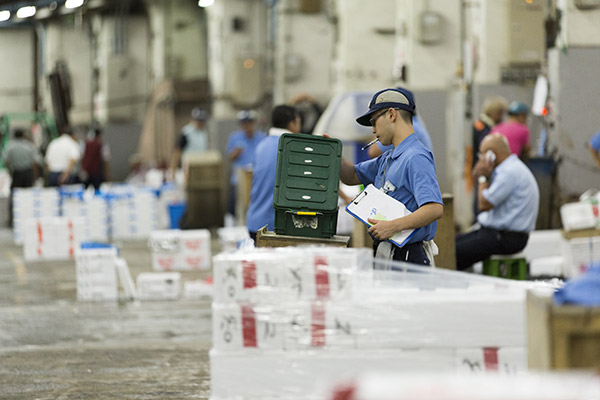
373, 203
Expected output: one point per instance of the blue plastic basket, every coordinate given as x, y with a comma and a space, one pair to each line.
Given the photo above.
176, 211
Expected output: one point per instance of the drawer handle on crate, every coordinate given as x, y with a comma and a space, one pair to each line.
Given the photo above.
307, 173
308, 161
308, 148
305, 197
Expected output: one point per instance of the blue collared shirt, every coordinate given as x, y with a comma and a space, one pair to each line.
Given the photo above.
264, 166
407, 173
239, 139
515, 196
421, 133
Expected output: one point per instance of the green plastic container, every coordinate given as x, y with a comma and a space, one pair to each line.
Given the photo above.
306, 185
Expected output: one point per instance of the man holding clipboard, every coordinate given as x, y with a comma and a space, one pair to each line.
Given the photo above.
406, 173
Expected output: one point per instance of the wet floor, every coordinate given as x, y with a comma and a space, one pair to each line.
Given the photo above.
53, 347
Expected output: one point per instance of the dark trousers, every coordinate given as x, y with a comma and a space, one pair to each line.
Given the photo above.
19, 179
413, 253
478, 245
95, 181
54, 176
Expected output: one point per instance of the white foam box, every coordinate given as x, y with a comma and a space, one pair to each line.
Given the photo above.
52, 238
285, 275
579, 254
195, 249
33, 203
133, 213
94, 210
196, 290
255, 374
159, 285
180, 250
96, 274
579, 215
231, 237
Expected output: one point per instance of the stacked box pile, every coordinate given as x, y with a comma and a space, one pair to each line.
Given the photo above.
33, 203
167, 194
93, 209
52, 238
179, 250
96, 273
284, 319
232, 238
132, 212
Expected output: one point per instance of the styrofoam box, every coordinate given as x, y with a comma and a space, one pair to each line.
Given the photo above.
33, 203
96, 274
231, 237
427, 321
52, 238
159, 285
579, 254
578, 215
94, 210
180, 250
295, 375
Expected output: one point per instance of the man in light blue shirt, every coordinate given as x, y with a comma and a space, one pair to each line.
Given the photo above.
406, 172
594, 145
284, 119
240, 150
508, 198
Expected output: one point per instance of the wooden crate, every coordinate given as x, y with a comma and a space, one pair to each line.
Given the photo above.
265, 238
562, 337
445, 236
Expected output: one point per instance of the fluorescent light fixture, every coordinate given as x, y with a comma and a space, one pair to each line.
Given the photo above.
26, 12
4, 15
73, 3
205, 3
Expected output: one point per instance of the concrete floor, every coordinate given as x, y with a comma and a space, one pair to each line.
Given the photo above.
53, 347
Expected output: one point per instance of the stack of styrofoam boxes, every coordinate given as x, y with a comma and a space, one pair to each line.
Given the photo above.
232, 238
133, 212
33, 203
93, 209
284, 319
52, 238
175, 249
96, 274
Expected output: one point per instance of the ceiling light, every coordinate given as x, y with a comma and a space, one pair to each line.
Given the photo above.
4, 15
205, 3
26, 12
73, 3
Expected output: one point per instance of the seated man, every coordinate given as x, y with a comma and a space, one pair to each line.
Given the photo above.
508, 199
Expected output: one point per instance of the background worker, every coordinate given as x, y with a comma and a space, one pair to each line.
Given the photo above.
508, 198
284, 119
21, 159
240, 150
515, 129
95, 161
193, 138
594, 145
62, 155
406, 173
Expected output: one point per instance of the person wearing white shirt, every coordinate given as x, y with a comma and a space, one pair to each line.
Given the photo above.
61, 156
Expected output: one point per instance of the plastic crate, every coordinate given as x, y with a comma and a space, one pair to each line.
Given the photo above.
305, 223
306, 185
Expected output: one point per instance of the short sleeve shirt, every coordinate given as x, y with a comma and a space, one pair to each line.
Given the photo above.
239, 139
406, 173
595, 141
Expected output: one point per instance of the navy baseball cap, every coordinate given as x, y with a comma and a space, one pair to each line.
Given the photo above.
389, 98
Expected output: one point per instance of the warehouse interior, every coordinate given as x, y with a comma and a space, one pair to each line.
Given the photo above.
139, 70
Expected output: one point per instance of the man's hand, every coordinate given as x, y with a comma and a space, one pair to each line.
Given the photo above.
483, 168
382, 230
235, 153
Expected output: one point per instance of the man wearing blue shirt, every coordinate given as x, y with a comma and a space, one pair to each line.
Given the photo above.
284, 119
240, 150
508, 198
406, 172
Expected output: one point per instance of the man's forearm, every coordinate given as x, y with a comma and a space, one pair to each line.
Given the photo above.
423, 216
348, 174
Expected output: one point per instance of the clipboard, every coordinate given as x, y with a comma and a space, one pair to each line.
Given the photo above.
373, 203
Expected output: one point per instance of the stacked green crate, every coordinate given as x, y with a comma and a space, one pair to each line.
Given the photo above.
306, 185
